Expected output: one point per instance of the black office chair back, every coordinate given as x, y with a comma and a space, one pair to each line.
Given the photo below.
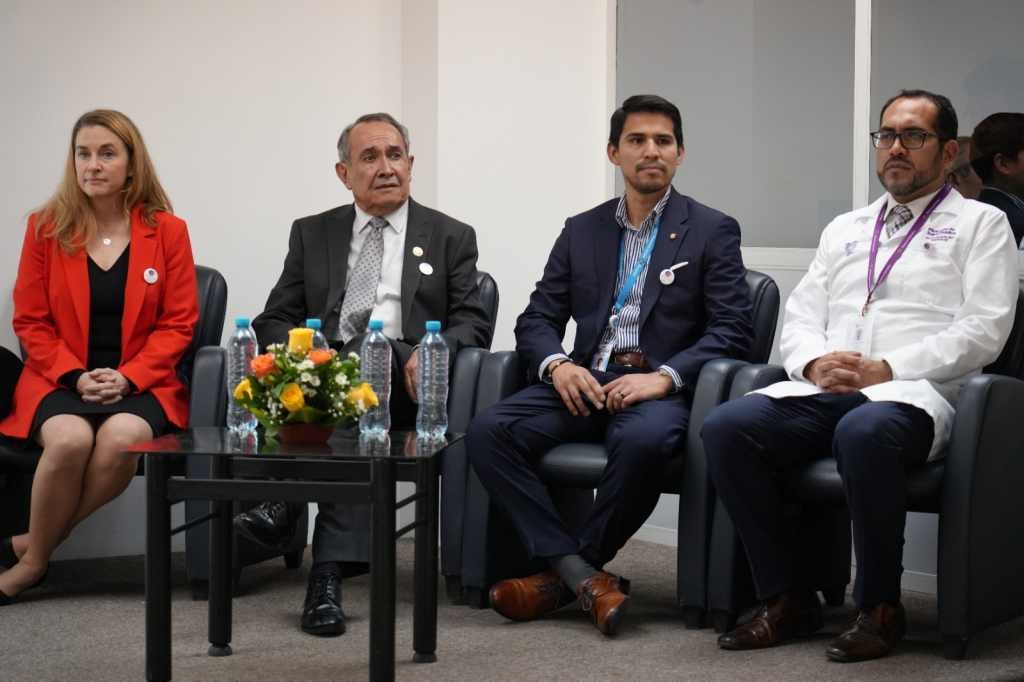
764, 299
489, 300
1011, 361
213, 305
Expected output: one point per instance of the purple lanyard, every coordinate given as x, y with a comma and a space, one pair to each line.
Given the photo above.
873, 284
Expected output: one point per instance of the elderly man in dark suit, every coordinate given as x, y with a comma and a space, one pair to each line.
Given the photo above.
655, 283
387, 256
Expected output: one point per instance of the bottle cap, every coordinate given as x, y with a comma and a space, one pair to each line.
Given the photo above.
241, 322
376, 325
433, 326
313, 323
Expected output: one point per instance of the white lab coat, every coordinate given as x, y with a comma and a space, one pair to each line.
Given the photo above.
944, 312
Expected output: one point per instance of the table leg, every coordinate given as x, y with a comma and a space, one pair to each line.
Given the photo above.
424, 619
221, 575
158, 570
382, 572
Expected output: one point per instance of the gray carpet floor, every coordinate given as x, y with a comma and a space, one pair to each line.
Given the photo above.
87, 624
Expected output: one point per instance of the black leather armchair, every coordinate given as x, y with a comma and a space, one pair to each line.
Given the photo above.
491, 548
975, 491
209, 407
17, 465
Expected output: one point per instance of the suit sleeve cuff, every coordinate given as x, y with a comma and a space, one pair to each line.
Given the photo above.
677, 382
542, 373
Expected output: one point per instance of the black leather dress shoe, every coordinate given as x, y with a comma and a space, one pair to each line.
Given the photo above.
321, 613
6, 600
270, 524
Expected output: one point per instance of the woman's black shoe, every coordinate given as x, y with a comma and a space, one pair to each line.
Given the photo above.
7, 601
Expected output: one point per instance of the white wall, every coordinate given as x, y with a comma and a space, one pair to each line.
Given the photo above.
240, 104
523, 105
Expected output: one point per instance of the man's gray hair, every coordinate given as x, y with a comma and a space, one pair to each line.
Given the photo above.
344, 152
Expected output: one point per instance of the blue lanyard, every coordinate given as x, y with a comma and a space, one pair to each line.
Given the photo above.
638, 268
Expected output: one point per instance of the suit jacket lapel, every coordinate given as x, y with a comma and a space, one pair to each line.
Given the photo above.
76, 276
607, 241
417, 233
141, 257
339, 242
673, 221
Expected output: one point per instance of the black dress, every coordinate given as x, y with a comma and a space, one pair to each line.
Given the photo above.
106, 308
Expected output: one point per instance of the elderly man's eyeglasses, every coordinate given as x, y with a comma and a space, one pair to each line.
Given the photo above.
909, 139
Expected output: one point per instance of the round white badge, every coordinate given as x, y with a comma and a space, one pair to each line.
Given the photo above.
417, 251
426, 268
150, 275
667, 277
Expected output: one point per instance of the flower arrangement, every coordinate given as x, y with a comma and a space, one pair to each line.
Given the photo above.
299, 384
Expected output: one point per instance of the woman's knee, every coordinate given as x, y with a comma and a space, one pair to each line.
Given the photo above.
66, 439
121, 431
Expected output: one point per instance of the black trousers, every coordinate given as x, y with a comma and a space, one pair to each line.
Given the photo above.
505, 441
342, 532
751, 440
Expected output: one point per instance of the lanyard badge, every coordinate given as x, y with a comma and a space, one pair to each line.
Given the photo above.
604, 353
873, 283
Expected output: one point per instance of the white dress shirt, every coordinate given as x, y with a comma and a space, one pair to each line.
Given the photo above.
944, 312
388, 305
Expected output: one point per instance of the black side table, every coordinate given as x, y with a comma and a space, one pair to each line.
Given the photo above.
347, 469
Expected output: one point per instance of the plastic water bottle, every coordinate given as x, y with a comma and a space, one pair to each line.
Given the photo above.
241, 351
375, 369
432, 369
319, 340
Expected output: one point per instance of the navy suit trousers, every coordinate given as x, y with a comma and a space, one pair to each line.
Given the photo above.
751, 440
505, 441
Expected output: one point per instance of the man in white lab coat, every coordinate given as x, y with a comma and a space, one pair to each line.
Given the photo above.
906, 299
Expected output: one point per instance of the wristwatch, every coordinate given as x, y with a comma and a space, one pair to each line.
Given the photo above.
550, 370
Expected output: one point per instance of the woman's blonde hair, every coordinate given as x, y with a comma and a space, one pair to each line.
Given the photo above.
68, 217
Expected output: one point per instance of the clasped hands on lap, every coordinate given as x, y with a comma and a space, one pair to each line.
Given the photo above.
577, 387
846, 372
103, 385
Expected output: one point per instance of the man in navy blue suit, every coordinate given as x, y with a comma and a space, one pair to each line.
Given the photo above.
656, 284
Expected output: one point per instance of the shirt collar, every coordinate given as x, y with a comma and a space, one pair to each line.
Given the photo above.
397, 219
622, 217
916, 206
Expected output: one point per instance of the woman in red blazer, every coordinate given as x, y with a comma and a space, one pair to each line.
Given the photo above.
104, 306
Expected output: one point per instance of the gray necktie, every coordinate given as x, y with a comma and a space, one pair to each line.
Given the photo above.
899, 215
361, 293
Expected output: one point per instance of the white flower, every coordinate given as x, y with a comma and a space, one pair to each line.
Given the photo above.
305, 364
341, 379
352, 356
311, 379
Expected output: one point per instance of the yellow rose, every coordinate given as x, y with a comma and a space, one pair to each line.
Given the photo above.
300, 341
291, 397
365, 393
243, 390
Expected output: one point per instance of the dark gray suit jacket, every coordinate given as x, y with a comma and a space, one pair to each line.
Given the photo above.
312, 283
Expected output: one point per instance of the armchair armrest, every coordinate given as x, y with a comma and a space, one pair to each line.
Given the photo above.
753, 377
981, 529
208, 403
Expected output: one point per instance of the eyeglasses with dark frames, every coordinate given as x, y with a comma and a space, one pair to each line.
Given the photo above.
912, 138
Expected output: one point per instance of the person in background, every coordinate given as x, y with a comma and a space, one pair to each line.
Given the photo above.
906, 299
961, 172
383, 256
997, 154
105, 304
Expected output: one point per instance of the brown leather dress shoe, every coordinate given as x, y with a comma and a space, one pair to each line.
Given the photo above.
605, 598
788, 617
531, 597
873, 634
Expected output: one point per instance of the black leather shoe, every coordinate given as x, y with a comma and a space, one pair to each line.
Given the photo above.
322, 614
7, 601
270, 524
7, 556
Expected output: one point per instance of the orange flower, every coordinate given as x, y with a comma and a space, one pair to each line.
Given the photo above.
319, 356
262, 365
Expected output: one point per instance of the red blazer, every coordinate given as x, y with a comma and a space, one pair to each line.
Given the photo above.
51, 316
